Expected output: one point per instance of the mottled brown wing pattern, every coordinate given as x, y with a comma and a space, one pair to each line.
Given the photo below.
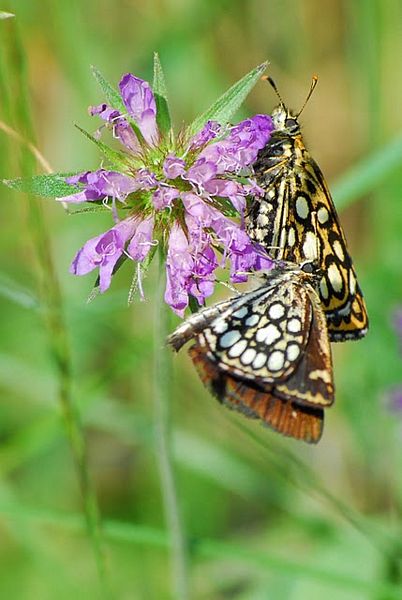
284, 416
266, 353
296, 221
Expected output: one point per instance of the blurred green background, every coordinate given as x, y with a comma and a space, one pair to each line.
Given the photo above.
267, 518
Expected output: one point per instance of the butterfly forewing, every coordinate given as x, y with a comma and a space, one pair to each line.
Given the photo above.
266, 353
296, 221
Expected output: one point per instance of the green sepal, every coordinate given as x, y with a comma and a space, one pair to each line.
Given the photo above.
225, 107
193, 304
116, 158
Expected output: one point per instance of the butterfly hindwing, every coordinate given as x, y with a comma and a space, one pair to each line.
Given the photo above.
266, 353
285, 417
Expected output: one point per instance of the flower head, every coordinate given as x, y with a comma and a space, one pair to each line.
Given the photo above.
188, 194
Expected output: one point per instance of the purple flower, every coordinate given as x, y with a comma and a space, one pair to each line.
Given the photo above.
140, 102
174, 192
103, 252
241, 146
101, 184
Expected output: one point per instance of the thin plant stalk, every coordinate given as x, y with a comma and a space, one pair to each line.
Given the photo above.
164, 442
53, 312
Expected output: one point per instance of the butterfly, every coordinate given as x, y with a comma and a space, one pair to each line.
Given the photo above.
266, 352
296, 221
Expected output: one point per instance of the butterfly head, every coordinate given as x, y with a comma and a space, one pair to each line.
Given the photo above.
284, 121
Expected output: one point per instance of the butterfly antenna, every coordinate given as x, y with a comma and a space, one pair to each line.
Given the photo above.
314, 82
273, 84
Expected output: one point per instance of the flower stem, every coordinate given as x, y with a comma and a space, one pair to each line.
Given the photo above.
162, 395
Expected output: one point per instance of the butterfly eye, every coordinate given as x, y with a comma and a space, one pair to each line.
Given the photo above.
308, 267
289, 123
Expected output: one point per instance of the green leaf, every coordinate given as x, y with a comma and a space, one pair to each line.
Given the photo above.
223, 109
111, 94
51, 186
367, 174
118, 159
160, 92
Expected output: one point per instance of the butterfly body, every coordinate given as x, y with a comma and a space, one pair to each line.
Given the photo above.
296, 221
266, 352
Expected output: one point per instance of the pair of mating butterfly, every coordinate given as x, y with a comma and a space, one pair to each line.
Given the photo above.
267, 352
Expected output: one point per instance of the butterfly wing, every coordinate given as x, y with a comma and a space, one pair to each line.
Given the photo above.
284, 416
263, 335
297, 221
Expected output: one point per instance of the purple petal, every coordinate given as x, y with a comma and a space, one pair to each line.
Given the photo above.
103, 251
141, 106
179, 266
202, 171
141, 242
164, 196
248, 259
207, 133
101, 184
222, 187
122, 129
173, 166
240, 148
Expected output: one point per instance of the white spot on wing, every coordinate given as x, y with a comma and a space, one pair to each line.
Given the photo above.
322, 215
294, 325
352, 283
335, 277
240, 313
259, 360
337, 246
292, 352
276, 311
291, 236
302, 208
248, 356
229, 338
220, 326
268, 335
237, 349
324, 288
252, 320
310, 246
276, 361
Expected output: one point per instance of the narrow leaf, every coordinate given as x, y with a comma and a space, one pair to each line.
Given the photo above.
367, 174
51, 186
111, 94
223, 109
160, 92
118, 159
